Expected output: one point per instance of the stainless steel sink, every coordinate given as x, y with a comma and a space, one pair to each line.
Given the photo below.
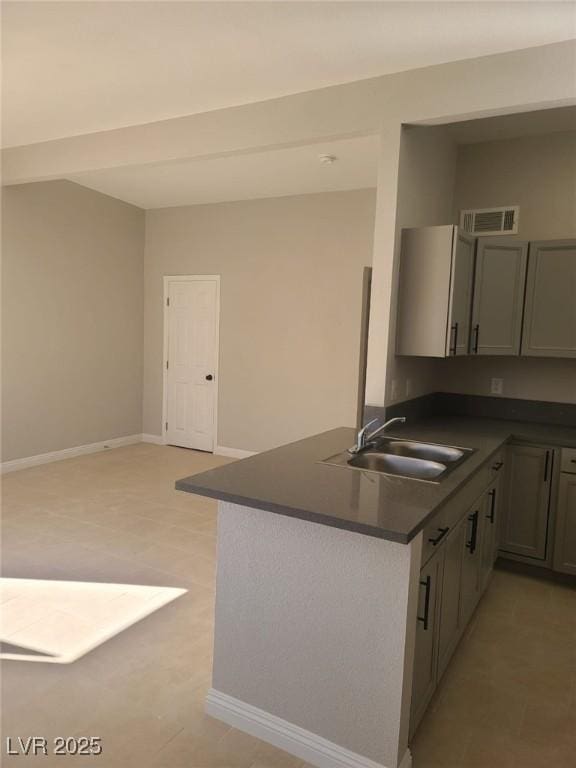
407, 466
404, 458
443, 453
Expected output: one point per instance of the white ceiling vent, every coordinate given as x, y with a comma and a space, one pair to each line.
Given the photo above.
491, 221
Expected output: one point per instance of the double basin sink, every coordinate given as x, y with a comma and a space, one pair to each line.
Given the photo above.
404, 458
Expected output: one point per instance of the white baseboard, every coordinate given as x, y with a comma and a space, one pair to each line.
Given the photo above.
68, 453
155, 439
234, 453
221, 450
287, 736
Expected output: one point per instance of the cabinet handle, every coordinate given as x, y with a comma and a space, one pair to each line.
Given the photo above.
424, 619
471, 545
453, 349
476, 335
546, 466
492, 506
438, 539
498, 466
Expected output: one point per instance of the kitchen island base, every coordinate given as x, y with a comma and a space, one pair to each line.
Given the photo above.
314, 638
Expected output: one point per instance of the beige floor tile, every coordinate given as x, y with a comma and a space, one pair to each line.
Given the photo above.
507, 701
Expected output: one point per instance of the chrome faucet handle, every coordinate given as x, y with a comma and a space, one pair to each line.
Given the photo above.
361, 439
368, 425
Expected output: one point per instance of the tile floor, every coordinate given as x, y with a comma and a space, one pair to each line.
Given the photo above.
508, 699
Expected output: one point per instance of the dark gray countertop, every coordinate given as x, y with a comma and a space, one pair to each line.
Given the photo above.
290, 480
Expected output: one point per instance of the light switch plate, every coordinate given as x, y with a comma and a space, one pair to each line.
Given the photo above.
496, 386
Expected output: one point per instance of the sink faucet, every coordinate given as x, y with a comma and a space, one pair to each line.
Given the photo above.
364, 438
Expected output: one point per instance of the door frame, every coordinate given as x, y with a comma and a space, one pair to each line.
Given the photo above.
189, 279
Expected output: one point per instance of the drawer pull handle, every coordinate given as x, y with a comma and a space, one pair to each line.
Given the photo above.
498, 466
476, 331
453, 350
492, 505
424, 619
443, 532
546, 466
471, 545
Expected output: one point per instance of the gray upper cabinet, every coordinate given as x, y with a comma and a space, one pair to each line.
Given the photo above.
526, 501
550, 312
435, 292
499, 281
461, 293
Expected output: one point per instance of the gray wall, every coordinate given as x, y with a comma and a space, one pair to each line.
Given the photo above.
291, 289
536, 172
539, 174
426, 177
71, 318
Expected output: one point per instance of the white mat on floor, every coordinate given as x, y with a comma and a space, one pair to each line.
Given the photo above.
66, 619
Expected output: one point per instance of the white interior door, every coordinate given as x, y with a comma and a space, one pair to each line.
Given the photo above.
191, 362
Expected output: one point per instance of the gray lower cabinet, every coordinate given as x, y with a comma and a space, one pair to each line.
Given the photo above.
470, 589
500, 276
565, 539
426, 648
550, 310
490, 537
450, 587
526, 501
449, 622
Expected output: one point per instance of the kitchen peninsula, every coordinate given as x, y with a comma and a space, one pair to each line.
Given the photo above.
320, 590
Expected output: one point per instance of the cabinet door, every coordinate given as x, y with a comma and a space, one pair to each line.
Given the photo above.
449, 621
434, 292
462, 279
526, 501
565, 545
424, 291
550, 313
425, 652
500, 277
470, 589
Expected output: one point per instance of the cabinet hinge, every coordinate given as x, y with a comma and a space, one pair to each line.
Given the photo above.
166, 426
168, 301
167, 364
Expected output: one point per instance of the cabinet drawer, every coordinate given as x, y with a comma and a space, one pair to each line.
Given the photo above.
448, 517
434, 534
568, 460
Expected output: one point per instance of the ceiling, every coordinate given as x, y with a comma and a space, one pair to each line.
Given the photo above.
77, 67
292, 171
513, 126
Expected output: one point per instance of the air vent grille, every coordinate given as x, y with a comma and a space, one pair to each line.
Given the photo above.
491, 221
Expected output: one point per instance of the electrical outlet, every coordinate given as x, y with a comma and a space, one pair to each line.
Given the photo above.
496, 386
394, 389
408, 387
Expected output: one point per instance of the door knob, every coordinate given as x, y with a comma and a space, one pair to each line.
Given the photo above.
209, 377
